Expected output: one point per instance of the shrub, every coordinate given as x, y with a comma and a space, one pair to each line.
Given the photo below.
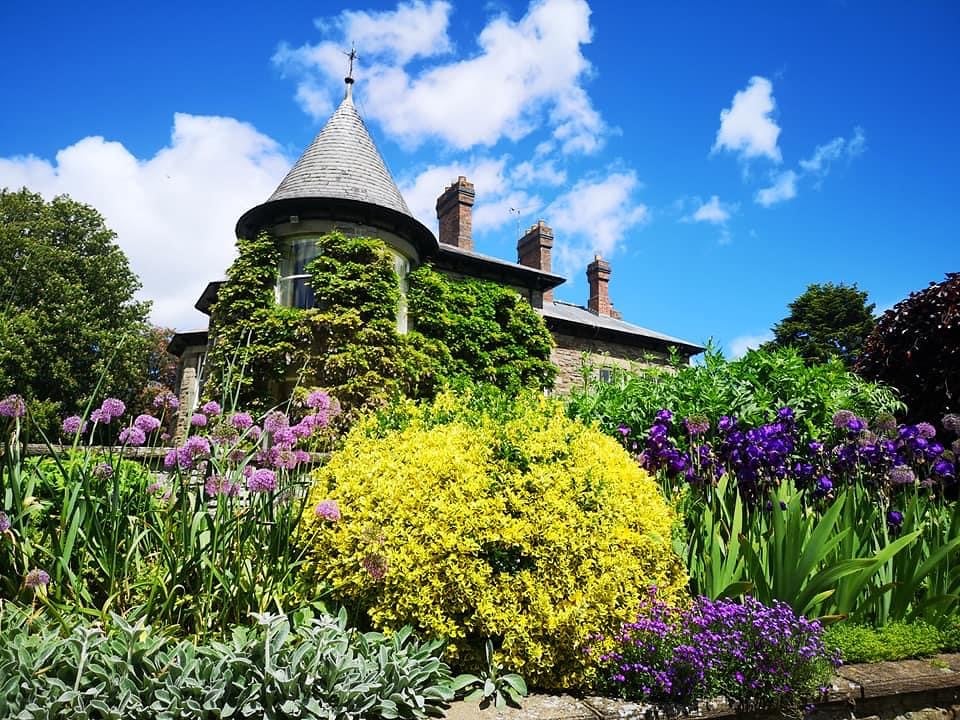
754, 655
895, 641
916, 347
751, 389
312, 667
474, 518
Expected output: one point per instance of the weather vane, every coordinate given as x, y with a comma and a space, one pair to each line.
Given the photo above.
353, 56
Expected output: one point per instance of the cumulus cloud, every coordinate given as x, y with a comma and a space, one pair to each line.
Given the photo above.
784, 188
739, 346
746, 127
174, 212
594, 216
713, 212
526, 75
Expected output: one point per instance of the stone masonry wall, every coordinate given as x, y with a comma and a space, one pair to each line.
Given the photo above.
570, 353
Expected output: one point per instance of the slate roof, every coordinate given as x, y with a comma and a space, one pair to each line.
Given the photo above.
573, 316
342, 162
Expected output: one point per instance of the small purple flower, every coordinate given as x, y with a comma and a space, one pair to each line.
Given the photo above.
726, 423
623, 429
147, 423
13, 406
895, 519
841, 418
856, 425
328, 510
36, 579
697, 425
73, 425
375, 565
133, 436
902, 475
824, 484
218, 485
4, 522
262, 480
198, 420
103, 471
166, 400
211, 408
241, 421
664, 416
943, 468
926, 430
318, 400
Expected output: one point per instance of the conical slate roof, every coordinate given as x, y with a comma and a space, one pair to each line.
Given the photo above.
343, 163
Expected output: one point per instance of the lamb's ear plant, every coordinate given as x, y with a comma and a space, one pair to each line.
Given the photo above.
492, 685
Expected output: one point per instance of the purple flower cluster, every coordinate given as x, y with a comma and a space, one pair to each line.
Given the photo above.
110, 409
13, 406
4, 522
166, 400
328, 510
755, 655
194, 450
73, 425
36, 579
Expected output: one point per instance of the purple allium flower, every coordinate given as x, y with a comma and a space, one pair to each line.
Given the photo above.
902, 475
147, 423
895, 519
73, 425
155, 487
100, 417
328, 510
241, 421
170, 459
166, 400
275, 421
318, 400
4, 522
198, 420
951, 422
697, 424
103, 471
36, 579
302, 456
926, 430
375, 565
211, 408
132, 436
219, 485
113, 408
262, 480
13, 406
623, 429
841, 418
886, 424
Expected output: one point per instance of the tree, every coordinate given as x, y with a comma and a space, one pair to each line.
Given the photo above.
916, 348
827, 320
68, 318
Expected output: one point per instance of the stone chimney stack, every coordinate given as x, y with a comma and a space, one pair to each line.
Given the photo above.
533, 250
455, 213
598, 275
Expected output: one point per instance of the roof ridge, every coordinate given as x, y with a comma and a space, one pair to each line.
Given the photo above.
343, 162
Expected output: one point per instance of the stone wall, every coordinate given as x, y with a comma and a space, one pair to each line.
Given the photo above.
571, 352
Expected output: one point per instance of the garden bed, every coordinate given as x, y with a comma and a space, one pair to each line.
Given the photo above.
907, 689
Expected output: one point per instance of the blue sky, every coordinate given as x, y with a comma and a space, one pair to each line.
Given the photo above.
722, 156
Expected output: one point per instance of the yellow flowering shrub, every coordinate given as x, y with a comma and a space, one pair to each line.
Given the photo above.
516, 524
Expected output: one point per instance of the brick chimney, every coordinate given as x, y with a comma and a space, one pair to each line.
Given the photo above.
533, 250
454, 211
598, 275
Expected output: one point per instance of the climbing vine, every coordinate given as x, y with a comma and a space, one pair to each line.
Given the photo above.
348, 342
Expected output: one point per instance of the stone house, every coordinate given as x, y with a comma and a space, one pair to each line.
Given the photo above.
341, 183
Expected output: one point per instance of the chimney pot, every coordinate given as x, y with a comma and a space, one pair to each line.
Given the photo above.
455, 213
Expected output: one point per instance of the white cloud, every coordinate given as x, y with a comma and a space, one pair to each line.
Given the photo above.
713, 212
538, 172
495, 202
739, 346
173, 213
593, 217
825, 155
525, 76
746, 127
784, 188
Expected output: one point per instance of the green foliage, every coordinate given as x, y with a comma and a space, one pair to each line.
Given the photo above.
67, 311
751, 389
826, 321
299, 667
896, 641
491, 334
481, 517
492, 685
916, 348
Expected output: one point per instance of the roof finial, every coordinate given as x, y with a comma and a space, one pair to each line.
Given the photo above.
352, 55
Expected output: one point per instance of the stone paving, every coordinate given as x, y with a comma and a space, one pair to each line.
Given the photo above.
907, 690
